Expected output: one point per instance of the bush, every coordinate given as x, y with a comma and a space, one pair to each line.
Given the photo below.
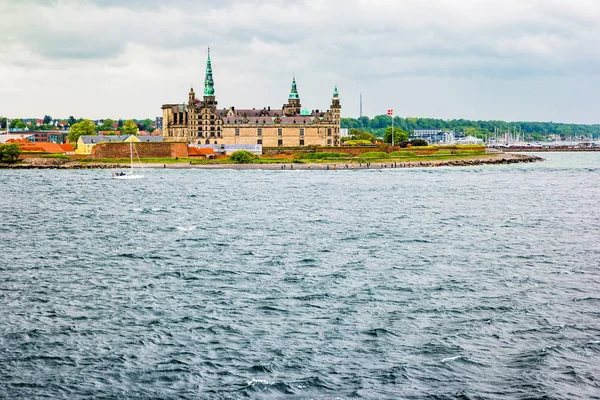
419, 142
351, 142
9, 152
243, 157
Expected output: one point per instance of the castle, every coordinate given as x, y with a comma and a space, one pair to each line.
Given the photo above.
202, 122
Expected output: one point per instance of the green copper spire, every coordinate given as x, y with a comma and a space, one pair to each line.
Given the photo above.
335, 92
294, 91
209, 85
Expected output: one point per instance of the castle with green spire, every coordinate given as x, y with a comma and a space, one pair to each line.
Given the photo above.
200, 121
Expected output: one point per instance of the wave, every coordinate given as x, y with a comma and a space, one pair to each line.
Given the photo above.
186, 228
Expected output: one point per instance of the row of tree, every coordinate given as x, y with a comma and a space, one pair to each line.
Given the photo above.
107, 124
87, 127
357, 136
533, 130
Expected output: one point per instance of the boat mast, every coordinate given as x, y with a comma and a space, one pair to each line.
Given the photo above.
131, 154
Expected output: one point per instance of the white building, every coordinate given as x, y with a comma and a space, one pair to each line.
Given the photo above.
469, 140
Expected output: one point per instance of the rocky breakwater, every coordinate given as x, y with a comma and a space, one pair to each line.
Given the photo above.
503, 159
59, 163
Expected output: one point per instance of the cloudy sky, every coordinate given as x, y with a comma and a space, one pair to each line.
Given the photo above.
476, 59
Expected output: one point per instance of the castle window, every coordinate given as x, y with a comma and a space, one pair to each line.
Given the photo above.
329, 142
279, 131
301, 131
237, 131
280, 142
259, 141
258, 131
301, 142
329, 132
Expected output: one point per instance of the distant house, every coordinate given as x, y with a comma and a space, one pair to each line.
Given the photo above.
204, 153
15, 137
435, 136
42, 147
68, 148
86, 143
50, 136
469, 140
147, 138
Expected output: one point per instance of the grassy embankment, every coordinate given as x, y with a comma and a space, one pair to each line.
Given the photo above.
414, 154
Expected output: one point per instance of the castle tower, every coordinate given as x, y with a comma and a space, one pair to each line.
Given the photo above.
293, 105
191, 97
336, 108
191, 114
209, 84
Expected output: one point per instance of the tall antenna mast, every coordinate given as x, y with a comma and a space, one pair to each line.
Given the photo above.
361, 105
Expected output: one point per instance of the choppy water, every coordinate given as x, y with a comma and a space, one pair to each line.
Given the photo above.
436, 283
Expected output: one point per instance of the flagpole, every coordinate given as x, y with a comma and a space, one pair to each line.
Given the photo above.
392, 129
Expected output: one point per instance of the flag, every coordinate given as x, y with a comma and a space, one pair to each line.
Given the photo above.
391, 112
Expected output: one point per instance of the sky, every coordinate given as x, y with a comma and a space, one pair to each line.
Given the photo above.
514, 60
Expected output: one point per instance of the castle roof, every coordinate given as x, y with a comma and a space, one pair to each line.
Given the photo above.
269, 120
256, 112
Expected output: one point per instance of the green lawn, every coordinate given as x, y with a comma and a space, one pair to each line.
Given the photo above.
408, 155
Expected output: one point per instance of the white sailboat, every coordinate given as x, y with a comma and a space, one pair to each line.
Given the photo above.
131, 174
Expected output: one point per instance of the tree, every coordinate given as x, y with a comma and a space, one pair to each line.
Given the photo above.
71, 120
129, 128
3, 122
47, 119
9, 152
147, 124
357, 134
78, 129
399, 135
120, 124
107, 125
46, 127
17, 123
243, 157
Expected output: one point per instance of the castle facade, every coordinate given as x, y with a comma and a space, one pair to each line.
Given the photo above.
200, 121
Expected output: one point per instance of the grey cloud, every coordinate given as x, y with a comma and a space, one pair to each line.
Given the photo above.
354, 41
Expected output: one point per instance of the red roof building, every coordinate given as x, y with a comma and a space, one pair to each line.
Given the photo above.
199, 152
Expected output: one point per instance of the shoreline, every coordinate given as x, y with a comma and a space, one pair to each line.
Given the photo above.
498, 159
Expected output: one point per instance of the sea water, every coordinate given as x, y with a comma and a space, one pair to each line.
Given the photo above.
478, 282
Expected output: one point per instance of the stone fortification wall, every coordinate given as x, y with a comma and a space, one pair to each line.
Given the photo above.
145, 150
